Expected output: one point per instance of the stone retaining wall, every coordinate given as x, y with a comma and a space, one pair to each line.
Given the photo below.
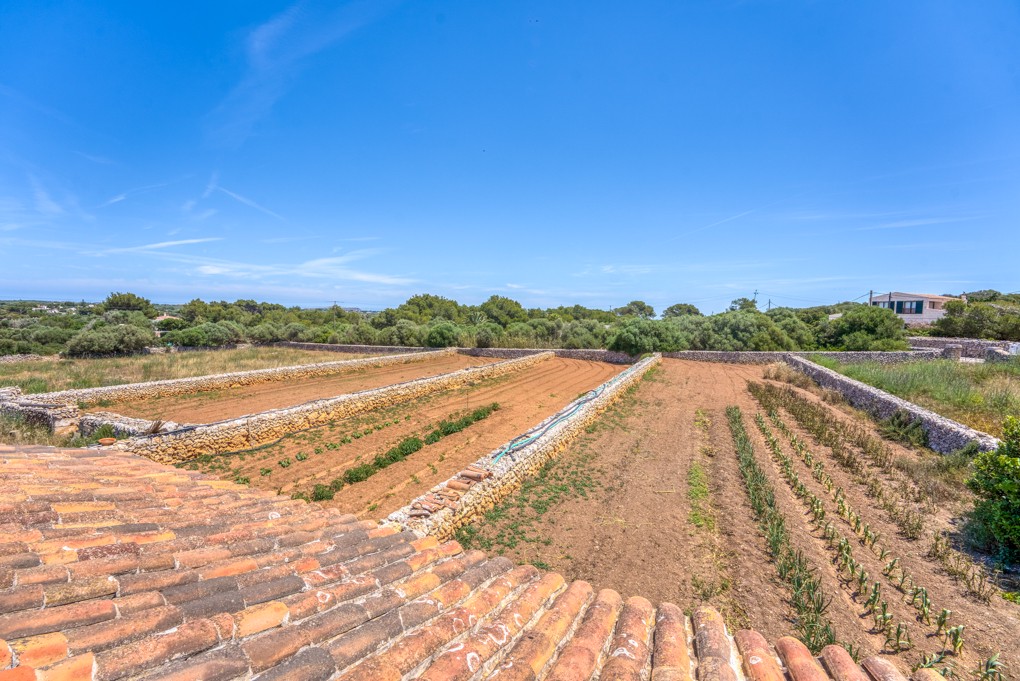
752, 357
944, 435
972, 347
186, 386
491, 479
257, 429
355, 349
587, 355
999, 355
14, 359
123, 426
57, 417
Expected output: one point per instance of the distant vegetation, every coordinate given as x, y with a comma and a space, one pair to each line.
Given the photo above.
986, 314
124, 323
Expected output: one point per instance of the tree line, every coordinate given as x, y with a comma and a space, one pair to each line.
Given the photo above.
125, 323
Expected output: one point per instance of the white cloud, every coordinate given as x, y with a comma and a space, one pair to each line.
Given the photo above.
250, 203
43, 203
160, 245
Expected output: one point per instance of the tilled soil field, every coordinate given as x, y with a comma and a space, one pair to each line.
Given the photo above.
217, 405
321, 455
652, 502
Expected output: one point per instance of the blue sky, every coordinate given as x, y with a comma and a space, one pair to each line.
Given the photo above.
555, 152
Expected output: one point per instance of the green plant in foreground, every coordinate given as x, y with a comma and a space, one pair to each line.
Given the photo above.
996, 482
990, 669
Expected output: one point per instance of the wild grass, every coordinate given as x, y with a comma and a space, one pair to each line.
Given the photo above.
978, 395
64, 374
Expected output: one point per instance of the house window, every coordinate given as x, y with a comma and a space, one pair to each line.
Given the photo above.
909, 306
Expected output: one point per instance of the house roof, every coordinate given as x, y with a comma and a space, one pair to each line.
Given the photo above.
926, 296
115, 567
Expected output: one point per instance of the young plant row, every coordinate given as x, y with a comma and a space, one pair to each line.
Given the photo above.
808, 598
835, 434
855, 576
812, 417
396, 454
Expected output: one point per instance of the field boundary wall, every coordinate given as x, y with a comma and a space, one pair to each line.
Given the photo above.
493, 477
755, 357
254, 430
196, 384
944, 435
972, 347
354, 349
608, 356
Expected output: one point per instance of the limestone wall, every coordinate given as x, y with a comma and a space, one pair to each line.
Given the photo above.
123, 425
257, 429
944, 435
751, 357
484, 484
972, 347
586, 355
185, 386
355, 349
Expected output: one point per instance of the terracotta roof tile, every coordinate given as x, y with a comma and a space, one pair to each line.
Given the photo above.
115, 567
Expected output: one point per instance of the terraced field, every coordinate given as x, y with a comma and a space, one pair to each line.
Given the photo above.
217, 405
320, 456
662, 499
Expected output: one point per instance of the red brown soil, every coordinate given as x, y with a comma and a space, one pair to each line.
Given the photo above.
217, 405
633, 533
525, 398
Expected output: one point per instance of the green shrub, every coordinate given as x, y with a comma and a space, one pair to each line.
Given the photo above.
301, 456
110, 340
359, 473
902, 427
996, 481
337, 484
322, 493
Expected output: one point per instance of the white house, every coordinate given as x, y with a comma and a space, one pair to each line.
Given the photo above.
913, 308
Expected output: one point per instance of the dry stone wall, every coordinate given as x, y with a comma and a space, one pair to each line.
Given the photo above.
753, 357
258, 429
123, 426
587, 355
944, 435
484, 484
186, 386
356, 349
972, 347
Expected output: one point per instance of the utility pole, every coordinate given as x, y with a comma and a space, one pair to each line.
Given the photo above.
770, 305
755, 295
871, 296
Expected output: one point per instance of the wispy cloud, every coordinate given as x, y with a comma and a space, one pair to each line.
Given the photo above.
160, 245
123, 196
917, 222
276, 50
332, 268
250, 203
101, 160
44, 204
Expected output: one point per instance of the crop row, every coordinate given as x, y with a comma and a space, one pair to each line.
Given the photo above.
834, 434
855, 576
396, 454
808, 598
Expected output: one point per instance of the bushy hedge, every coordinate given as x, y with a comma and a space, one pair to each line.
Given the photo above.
110, 340
996, 481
